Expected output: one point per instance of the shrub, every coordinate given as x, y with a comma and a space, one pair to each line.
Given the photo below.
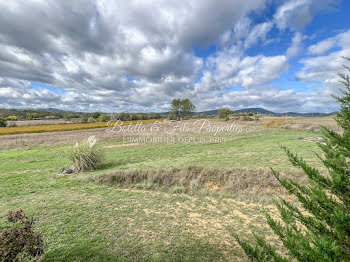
84, 120
12, 118
85, 156
157, 116
3, 122
91, 120
96, 115
124, 116
318, 229
19, 242
104, 118
171, 116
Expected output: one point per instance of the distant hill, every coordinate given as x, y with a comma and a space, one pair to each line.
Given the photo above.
51, 110
44, 112
257, 110
244, 110
305, 114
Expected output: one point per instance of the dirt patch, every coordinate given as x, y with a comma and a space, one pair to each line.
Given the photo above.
312, 139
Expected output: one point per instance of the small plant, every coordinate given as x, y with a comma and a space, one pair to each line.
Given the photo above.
19, 242
85, 156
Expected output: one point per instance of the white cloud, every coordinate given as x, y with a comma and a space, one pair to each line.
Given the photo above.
322, 47
230, 68
325, 67
295, 14
296, 46
341, 40
258, 32
322, 69
137, 55
260, 70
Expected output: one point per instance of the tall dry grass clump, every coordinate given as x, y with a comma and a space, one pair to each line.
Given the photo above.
236, 181
86, 156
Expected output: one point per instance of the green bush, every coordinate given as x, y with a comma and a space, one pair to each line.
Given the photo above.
124, 116
19, 242
104, 118
3, 122
172, 116
91, 120
85, 156
96, 115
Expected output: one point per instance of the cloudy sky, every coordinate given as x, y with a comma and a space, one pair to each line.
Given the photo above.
137, 55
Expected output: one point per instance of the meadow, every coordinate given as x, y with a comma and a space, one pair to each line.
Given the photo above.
155, 201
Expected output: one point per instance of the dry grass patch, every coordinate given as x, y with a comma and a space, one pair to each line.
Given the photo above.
181, 180
275, 123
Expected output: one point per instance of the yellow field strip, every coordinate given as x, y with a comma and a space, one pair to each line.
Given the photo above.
62, 127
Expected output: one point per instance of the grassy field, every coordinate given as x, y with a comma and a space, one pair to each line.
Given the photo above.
84, 218
60, 127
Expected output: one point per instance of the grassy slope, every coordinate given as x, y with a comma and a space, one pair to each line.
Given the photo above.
83, 221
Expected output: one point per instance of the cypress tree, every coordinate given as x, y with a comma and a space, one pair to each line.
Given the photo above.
318, 228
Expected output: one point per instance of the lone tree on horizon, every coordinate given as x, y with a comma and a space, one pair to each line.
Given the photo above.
318, 227
181, 108
224, 113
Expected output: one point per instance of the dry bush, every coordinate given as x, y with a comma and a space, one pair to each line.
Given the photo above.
19, 242
231, 181
85, 156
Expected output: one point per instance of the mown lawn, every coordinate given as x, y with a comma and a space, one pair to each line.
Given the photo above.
84, 221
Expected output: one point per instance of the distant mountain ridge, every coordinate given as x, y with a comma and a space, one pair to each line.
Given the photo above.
255, 110
51, 110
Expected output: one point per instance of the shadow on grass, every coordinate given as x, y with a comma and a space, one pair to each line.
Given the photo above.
83, 250
188, 249
109, 164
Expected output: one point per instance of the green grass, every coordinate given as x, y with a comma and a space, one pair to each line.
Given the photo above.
84, 221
